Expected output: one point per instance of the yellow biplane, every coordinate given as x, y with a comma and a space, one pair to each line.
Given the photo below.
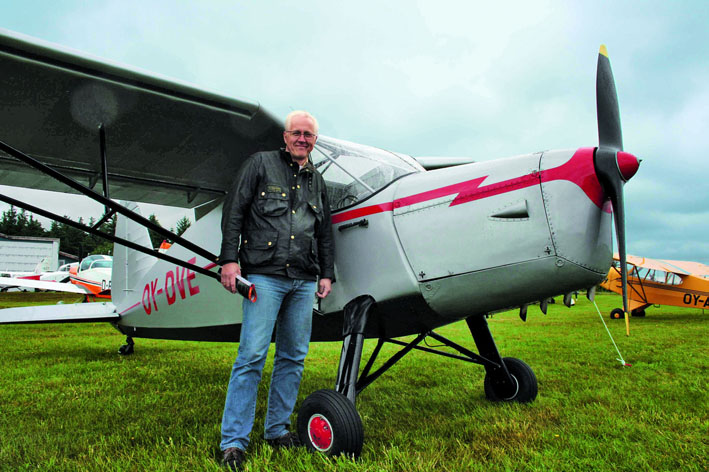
659, 282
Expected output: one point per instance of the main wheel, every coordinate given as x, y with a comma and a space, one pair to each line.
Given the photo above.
329, 423
617, 313
524, 378
638, 312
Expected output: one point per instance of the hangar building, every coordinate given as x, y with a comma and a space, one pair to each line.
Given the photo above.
23, 253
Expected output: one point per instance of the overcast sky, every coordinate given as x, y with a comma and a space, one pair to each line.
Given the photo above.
452, 78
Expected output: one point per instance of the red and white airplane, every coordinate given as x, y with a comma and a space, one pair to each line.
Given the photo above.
91, 278
94, 275
416, 249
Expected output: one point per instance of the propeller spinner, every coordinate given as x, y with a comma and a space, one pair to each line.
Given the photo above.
613, 166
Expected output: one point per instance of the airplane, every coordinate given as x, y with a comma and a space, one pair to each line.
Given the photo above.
659, 282
93, 275
416, 248
61, 275
16, 279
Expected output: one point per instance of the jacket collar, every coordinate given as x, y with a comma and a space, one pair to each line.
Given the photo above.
288, 159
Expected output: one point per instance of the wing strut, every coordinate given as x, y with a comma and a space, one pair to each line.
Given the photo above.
107, 202
110, 237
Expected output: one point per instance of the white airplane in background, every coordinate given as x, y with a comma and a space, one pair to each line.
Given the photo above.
417, 249
61, 275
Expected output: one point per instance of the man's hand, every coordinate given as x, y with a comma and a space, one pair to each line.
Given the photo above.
324, 287
229, 272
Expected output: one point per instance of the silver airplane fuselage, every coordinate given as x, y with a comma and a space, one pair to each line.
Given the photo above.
431, 247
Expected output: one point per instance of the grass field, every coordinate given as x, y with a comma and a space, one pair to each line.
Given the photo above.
69, 402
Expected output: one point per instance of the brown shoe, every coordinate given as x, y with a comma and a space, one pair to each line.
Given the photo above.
233, 458
287, 440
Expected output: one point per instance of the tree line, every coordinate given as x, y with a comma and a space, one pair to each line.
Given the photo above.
72, 240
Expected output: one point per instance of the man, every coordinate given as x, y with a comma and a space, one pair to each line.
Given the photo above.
278, 209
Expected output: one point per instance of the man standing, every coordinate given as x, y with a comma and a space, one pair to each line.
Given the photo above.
278, 209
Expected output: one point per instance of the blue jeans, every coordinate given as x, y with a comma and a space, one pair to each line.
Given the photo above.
287, 305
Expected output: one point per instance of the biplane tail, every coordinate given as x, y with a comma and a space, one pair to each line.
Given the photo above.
129, 266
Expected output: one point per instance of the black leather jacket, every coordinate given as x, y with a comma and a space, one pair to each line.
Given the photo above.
282, 216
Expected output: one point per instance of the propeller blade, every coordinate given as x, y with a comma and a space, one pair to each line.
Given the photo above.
615, 191
613, 166
607, 109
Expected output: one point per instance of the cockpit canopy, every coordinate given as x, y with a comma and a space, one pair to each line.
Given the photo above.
354, 172
91, 262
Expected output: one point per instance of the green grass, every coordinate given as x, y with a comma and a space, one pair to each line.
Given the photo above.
68, 401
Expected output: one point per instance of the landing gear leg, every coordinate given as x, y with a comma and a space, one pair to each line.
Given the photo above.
356, 315
507, 379
328, 421
127, 348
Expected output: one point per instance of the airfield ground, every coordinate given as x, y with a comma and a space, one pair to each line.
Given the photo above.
69, 402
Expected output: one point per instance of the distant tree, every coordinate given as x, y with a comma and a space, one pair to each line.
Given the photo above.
23, 223
182, 225
105, 246
34, 227
71, 240
155, 238
8, 223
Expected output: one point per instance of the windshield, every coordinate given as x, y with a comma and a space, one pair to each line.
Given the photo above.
102, 264
86, 263
353, 172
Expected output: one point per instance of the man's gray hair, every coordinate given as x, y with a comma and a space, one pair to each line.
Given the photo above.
295, 113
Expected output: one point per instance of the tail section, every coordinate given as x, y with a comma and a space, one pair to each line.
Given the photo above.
129, 266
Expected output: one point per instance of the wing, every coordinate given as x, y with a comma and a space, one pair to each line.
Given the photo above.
71, 313
9, 282
166, 142
644, 262
688, 267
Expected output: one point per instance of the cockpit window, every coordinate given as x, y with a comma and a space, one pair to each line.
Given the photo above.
102, 264
353, 172
87, 261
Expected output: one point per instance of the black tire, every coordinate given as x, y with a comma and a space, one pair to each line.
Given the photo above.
126, 349
638, 312
617, 314
523, 375
329, 423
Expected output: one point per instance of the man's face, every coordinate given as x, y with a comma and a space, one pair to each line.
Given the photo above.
299, 146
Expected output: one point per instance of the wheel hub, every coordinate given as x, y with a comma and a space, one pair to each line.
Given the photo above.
516, 388
320, 433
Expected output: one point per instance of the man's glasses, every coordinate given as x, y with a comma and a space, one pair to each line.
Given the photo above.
307, 135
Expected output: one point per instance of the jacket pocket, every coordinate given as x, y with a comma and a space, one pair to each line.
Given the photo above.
316, 208
258, 248
272, 203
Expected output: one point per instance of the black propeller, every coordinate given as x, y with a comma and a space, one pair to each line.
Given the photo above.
613, 166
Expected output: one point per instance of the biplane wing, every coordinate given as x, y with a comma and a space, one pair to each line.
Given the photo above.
69, 313
54, 101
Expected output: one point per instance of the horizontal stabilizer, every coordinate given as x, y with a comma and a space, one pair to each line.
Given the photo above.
70, 313
40, 284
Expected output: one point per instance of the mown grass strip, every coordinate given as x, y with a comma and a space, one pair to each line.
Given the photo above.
69, 402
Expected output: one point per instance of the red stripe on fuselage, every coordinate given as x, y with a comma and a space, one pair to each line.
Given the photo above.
578, 170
